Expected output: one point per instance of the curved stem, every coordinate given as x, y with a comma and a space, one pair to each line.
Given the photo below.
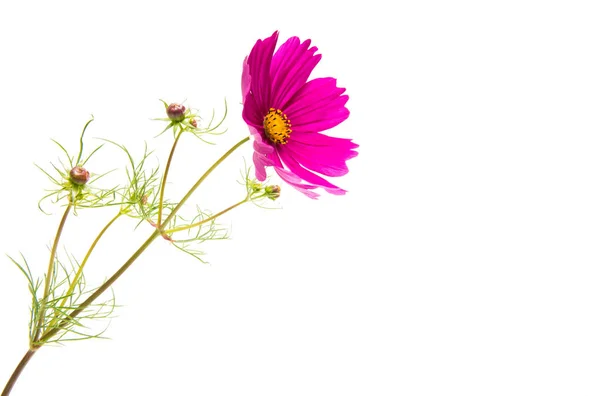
85, 259
164, 180
202, 178
15, 375
50, 273
49, 334
89, 252
187, 227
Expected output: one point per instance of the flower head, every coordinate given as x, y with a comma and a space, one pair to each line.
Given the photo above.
286, 114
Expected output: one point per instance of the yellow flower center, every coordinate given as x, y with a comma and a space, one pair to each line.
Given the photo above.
277, 126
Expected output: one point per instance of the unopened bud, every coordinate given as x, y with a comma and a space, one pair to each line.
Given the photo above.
176, 112
273, 192
79, 175
194, 123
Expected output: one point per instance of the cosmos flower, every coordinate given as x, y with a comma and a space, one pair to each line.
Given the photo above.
286, 114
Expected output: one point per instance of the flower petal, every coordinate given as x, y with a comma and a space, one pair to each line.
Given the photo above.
260, 144
263, 155
317, 106
261, 161
245, 79
292, 64
296, 182
251, 112
321, 153
259, 66
306, 175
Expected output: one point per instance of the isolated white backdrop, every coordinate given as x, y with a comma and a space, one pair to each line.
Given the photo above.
463, 261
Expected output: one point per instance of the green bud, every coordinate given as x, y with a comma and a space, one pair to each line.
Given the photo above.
273, 192
79, 175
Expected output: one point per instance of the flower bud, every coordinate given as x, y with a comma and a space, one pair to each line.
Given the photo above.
273, 192
79, 175
194, 123
176, 112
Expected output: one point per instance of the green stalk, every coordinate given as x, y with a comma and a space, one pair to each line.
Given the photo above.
187, 227
202, 178
85, 259
164, 180
15, 375
50, 274
48, 335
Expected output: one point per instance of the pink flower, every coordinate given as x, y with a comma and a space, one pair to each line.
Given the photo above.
286, 113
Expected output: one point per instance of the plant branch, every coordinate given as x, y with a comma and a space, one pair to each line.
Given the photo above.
49, 334
202, 178
82, 265
187, 227
15, 375
50, 273
164, 180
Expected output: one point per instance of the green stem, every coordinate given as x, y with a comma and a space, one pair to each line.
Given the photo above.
48, 335
164, 180
202, 178
15, 375
85, 259
50, 273
187, 227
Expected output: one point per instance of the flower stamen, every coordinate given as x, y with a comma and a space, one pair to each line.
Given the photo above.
277, 126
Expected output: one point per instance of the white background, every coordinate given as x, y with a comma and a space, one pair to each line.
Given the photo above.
463, 261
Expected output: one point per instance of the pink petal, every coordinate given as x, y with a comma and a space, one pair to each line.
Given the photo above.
259, 65
296, 182
245, 79
292, 64
263, 155
321, 153
251, 112
292, 179
260, 144
317, 106
260, 162
306, 175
